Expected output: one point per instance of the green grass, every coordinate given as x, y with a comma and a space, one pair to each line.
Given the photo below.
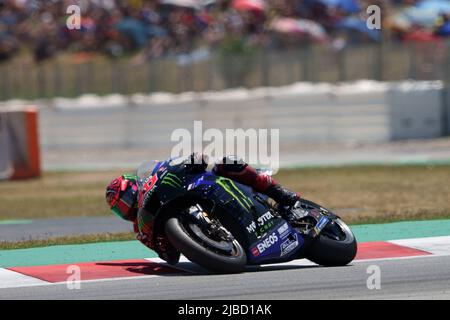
361, 194
56, 195
104, 237
376, 194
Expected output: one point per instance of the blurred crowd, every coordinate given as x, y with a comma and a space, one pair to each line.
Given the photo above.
157, 28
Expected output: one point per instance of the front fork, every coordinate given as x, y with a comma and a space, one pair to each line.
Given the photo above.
208, 225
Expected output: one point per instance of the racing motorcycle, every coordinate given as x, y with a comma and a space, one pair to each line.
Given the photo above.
225, 226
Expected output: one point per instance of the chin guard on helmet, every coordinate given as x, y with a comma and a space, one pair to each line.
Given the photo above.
121, 195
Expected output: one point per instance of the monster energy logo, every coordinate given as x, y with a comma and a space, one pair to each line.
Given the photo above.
229, 186
172, 180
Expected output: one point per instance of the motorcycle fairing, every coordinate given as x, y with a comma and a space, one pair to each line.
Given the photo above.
267, 238
278, 242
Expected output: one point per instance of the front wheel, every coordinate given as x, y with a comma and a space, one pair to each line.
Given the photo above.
217, 255
335, 246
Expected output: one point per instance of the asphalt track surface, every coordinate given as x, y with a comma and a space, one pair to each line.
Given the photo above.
74, 226
405, 278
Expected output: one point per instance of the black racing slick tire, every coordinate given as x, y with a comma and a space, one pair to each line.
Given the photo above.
326, 251
201, 255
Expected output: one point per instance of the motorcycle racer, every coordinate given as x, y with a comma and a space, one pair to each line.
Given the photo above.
122, 196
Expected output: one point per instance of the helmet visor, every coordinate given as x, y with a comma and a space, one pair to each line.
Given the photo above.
124, 207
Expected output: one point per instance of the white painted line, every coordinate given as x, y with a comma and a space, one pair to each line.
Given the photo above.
184, 265
400, 258
12, 279
435, 245
295, 263
193, 268
113, 279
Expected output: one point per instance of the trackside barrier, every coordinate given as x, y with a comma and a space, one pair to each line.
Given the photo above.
366, 111
19, 143
416, 110
446, 111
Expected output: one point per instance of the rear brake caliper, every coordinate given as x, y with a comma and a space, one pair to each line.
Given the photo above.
311, 222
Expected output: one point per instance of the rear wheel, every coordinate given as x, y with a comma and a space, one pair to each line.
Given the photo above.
218, 251
335, 246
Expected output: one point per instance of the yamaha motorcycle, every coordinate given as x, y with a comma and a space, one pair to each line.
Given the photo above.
225, 226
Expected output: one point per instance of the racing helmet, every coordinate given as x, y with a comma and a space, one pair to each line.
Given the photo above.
121, 196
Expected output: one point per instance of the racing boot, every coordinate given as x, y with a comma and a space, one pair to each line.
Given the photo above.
282, 196
167, 251
287, 201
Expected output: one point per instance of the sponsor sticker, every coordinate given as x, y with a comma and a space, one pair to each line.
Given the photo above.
283, 231
267, 243
255, 252
262, 224
321, 224
260, 221
289, 244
